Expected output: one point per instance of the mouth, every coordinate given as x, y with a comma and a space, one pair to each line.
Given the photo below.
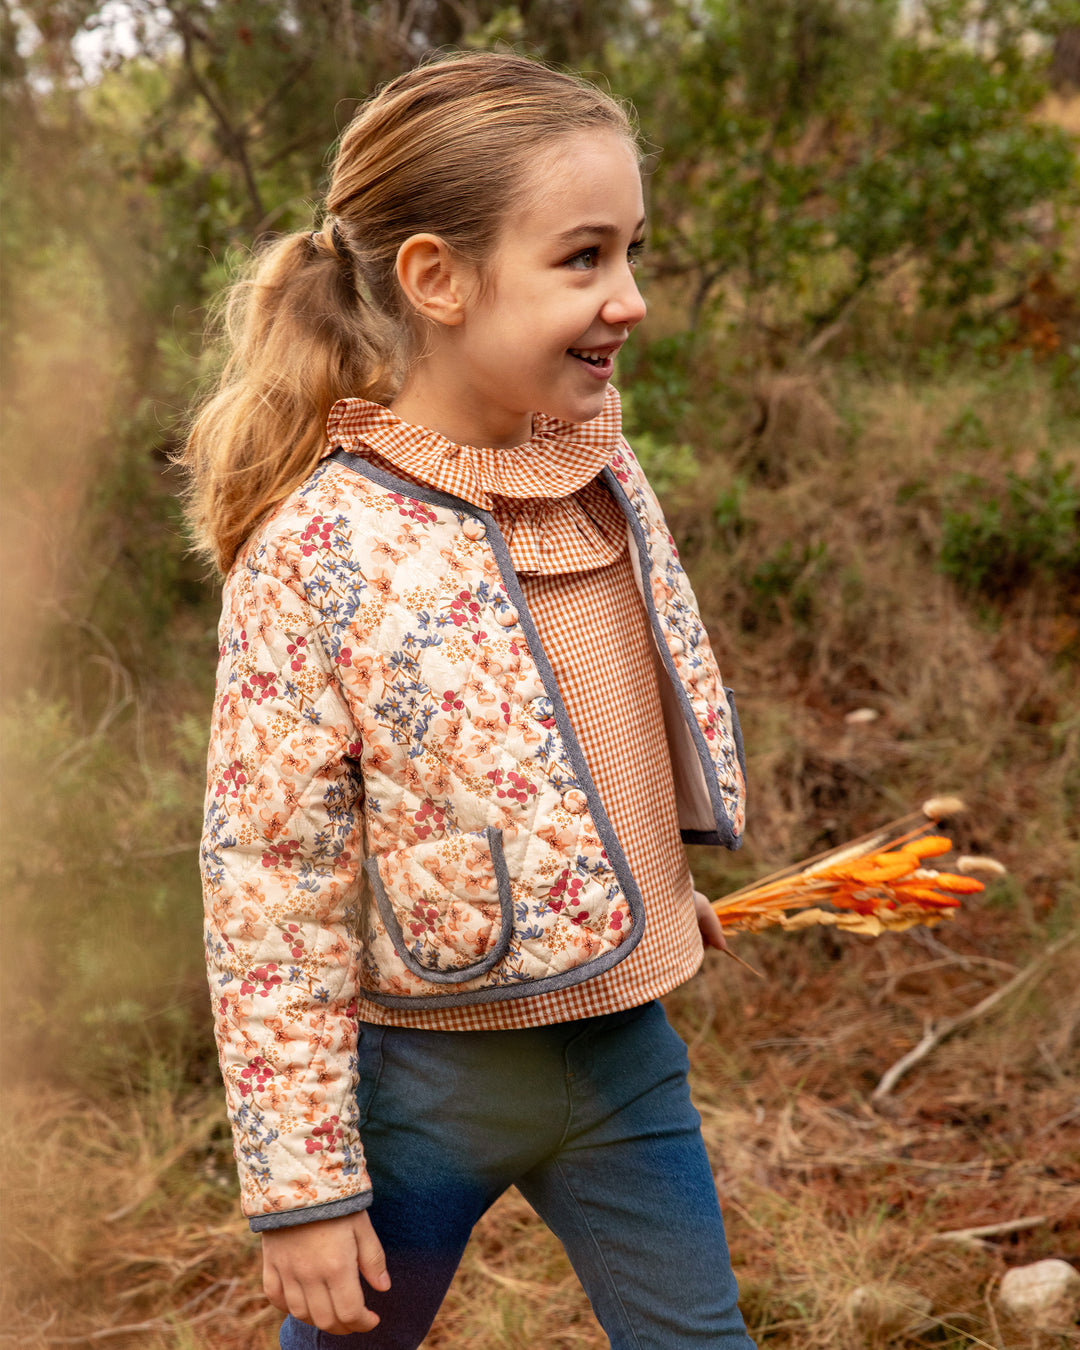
600, 360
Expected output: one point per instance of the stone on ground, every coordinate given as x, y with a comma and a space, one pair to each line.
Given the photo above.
885, 1311
1046, 1294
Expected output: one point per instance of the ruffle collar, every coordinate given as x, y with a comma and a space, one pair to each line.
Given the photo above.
557, 460
578, 533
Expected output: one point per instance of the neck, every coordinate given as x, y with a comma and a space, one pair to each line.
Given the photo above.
436, 396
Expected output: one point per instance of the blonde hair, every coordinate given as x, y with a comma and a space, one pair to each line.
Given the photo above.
445, 149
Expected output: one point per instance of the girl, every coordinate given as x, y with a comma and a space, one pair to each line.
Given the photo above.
460, 664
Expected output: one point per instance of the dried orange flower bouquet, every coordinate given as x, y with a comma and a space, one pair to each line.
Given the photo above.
874, 884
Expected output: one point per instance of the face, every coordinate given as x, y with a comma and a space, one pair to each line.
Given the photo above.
557, 301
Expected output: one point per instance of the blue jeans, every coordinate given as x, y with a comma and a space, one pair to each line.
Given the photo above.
592, 1122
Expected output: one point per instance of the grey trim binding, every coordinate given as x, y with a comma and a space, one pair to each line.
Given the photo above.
397, 937
711, 836
725, 830
616, 857
290, 1218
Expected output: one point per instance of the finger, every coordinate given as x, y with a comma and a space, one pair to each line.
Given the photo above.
322, 1313
370, 1256
358, 1318
712, 930
346, 1299
316, 1305
272, 1286
294, 1301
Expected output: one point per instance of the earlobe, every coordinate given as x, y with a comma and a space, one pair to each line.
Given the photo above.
432, 279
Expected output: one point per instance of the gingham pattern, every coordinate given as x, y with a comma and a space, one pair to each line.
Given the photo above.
569, 546
560, 458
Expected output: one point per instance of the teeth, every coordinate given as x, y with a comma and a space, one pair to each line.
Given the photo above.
587, 356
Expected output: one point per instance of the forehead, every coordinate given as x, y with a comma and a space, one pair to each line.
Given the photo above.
586, 178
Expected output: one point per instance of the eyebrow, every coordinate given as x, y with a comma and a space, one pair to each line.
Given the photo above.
588, 231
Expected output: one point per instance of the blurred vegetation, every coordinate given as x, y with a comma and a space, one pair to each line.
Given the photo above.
995, 544
858, 390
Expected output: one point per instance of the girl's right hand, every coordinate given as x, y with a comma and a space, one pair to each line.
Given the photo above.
712, 930
312, 1270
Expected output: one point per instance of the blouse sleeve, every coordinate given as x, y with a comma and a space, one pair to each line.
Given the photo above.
281, 852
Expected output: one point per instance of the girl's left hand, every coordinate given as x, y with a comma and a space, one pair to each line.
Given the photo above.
712, 931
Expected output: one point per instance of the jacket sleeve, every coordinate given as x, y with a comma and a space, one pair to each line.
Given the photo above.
281, 853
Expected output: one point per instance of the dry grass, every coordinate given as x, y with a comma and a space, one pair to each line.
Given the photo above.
824, 1194
122, 1229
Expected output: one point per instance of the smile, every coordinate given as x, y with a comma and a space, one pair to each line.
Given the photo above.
600, 360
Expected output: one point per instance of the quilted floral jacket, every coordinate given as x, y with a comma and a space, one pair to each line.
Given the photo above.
385, 714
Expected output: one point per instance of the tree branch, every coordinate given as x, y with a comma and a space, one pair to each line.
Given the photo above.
233, 137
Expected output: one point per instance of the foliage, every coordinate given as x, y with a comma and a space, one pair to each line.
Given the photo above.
810, 150
99, 898
784, 584
669, 463
668, 466
998, 543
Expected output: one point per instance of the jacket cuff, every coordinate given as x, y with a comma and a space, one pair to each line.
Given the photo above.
289, 1218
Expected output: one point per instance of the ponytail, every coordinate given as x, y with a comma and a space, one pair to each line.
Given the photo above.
299, 338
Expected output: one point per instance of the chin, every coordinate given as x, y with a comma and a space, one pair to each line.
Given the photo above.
592, 414
577, 409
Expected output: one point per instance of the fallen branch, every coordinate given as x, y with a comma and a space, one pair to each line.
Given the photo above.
973, 1237
933, 1036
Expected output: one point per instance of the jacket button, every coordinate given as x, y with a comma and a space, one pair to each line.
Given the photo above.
472, 528
575, 802
507, 616
542, 709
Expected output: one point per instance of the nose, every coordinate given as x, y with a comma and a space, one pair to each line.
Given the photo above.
625, 307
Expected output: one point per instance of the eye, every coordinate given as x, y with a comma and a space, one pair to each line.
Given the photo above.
634, 252
584, 261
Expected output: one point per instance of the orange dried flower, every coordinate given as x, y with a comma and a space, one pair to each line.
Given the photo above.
951, 881
870, 885
930, 846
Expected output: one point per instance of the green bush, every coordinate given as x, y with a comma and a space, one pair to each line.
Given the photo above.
654, 404
811, 149
993, 542
786, 583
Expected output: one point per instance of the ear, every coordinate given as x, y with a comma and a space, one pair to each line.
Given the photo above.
436, 284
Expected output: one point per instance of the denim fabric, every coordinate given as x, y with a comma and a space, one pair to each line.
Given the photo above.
592, 1121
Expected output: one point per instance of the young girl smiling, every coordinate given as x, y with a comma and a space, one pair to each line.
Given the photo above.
466, 715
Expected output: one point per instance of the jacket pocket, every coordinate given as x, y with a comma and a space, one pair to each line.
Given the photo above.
446, 904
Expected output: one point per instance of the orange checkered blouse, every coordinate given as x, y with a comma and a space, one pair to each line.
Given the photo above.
569, 544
